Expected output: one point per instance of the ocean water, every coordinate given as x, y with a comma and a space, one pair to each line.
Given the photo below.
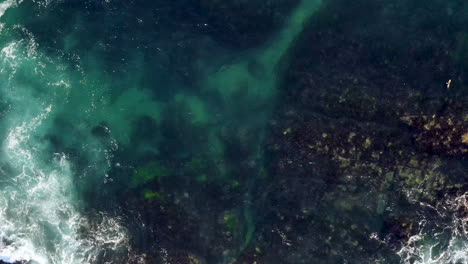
283, 131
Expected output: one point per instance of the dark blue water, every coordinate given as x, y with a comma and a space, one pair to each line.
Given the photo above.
283, 131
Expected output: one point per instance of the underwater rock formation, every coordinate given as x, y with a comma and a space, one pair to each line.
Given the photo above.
439, 134
366, 137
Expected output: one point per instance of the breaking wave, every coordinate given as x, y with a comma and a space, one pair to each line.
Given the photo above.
40, 218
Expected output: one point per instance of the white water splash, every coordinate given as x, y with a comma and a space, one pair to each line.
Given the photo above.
440, 243
39, 217
37, 208
7, 4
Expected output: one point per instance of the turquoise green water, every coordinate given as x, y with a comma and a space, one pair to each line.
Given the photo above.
115, 113
48, 95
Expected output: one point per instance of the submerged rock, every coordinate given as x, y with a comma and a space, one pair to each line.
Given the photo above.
367, 135
440, 134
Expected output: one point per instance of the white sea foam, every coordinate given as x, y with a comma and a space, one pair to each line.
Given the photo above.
7, 4
38, 207
444, 241
39, 216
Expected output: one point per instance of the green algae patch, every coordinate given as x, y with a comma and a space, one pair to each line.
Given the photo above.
150, 195
202, 178
150, 173
230, 222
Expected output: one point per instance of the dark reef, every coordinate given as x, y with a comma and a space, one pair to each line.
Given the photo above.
371, 116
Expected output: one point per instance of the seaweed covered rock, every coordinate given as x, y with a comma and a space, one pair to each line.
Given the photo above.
177, 224
439, 134
166, 231
369, 133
